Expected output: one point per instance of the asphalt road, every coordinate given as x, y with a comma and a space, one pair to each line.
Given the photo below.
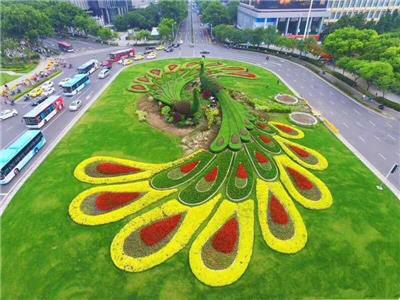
374, 136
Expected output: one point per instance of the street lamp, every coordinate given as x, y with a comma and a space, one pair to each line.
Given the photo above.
308, 20
391, 171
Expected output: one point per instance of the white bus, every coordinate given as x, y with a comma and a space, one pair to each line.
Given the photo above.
76, 84
42, 113
89, 67
19, 153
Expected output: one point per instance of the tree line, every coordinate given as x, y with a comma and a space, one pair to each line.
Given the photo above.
215, 13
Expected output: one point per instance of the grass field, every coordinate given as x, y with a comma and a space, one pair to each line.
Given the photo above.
352, 251
4, 78
25, 68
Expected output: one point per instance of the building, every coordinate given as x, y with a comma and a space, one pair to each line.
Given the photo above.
288, 16
141, 3
82, 4
108, 10
373, 9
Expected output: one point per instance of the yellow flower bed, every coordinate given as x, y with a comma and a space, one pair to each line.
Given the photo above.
299, 239
149, 196
193, 218
325, 200
244, 212
299, 134
322, 163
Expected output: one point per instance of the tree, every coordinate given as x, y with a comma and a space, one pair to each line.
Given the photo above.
176, 10
105, 34
215, 14
231, 11
143, 35
388, 22
121, 23
196, 101
372, 71
166, 28
356, 21
271, 35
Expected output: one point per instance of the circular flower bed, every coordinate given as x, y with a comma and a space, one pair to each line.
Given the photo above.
303, 119
286, 99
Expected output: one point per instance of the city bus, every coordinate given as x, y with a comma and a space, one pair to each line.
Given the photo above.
42, 113
65, 47
76, 84
18, 154
122, 54
89, 67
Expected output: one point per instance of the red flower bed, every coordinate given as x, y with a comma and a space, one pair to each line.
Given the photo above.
156, 232
189, 167
285, 129
244, 75
301, 181
234, 69
212, 175
299, 151
241, 172
278, 212
191, 64
172, 67
263, 126
156, 72
226, 238
206, 94
265, 139
143, 79
115, 169
111, 200
261, 158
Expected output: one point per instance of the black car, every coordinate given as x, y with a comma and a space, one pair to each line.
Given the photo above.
169, 49
148, 51
150, 48
39, 100
175, 45
204, 52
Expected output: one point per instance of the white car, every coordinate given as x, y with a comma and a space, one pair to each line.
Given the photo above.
49, 91
64, 81
8, 113
48, 85
152, 55
104, 73
75, 105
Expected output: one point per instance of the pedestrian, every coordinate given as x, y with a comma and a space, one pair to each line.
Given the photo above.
364, 97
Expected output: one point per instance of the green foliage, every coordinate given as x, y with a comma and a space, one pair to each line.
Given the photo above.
209, 84
167, 29
143, 35
176, 10
183, 107
267, 171
141, 115
211, 116
166, 110
215, 14
196, 101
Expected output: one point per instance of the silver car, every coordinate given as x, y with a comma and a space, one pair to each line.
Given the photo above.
75, 105
8, 113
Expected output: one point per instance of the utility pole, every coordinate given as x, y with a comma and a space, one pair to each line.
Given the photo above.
308, 20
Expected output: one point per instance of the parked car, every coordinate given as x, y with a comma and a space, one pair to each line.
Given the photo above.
204, 52
160, 47
49, 91
47, 85
138, 57
8, 113
127, 62
36, 92
180, 42
148, 51
175, 45
169, 49
152, 55
75, 105
104, 73
39, 100
150, 48
64, 81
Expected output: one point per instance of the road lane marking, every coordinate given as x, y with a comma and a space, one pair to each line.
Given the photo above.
356, 111
381, 155
345, 125
359, 124
361, 138
372, 123
10, 127
391, 137
377, 138
388, 124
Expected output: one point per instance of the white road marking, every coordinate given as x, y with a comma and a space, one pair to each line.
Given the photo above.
357, 112
332, 113
332, 93
359, 124
9, 128
361, 138
381, 155
391, 137
388, 124
345, 125
275, 63
3, 194
372, 123
377, 138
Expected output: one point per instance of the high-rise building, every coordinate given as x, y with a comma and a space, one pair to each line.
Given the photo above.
372, 9
290, 17
82, 4
141, 3
108, 10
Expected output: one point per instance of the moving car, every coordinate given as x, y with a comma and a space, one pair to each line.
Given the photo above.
175, 45
160, 47
148, 51
107, 63
64, 81
169, 49
8, 113
47, 85
39, 100
150, 48
49, 91
104, 73
180, 42
36, 92
127, 62
152, 55
204, 52
138, 57
75, 105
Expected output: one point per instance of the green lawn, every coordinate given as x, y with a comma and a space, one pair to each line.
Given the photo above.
352, 251
25, 68
4, 78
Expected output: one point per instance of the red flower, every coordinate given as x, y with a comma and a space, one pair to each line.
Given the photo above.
226, 238
115, 169
212, 175
241, 172
108, 201
278, 212
265, 139
299, 151
301, 181
206, 94
156, 232
285, 129
189, 167
261, 158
